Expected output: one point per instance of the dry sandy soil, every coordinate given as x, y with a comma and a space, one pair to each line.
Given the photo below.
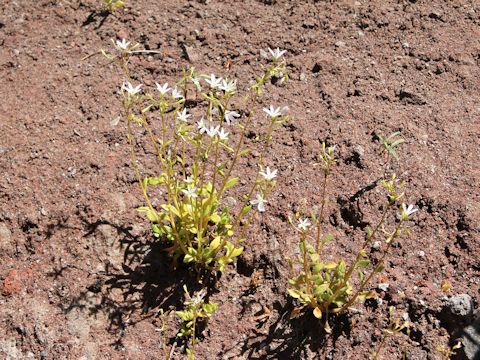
81, 276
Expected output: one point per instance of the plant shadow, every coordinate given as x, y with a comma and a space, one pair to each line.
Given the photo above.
145, 284
103, 15
293, 338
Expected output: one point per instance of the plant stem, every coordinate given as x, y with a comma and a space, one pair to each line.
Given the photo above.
320, 219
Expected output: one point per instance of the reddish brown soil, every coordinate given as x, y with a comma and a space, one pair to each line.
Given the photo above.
80, 277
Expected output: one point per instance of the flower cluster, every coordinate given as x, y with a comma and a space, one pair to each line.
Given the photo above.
198, 154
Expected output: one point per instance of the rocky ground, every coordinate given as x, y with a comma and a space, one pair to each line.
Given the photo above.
81, 277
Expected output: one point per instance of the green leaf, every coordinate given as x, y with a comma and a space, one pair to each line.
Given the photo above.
231, 183
236, 252
327, 238
330, 265
294, 293
215, 218
369, 230
379, 268
341, 268
244, 152
246, 210
397, 142
362, 264
151, 215
215, 243
210, 308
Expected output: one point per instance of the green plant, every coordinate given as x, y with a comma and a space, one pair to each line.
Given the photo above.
196, 310
447, 352
328, 286
113, 5
189, 199
390, 143
394, 327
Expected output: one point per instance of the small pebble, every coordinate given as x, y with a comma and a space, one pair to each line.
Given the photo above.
383, 286
376, 245
421, 254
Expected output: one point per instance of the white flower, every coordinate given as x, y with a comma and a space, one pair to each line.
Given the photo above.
183, 116
176, 94
407, 211
260, 202
231, 116
228, 86
123, 45
214, 82
191, 191
163, 89
202, 125
196, 81
212, 130
276, 53
272, 112
128, 87
223, 135
304, 224
268, 174
189, 180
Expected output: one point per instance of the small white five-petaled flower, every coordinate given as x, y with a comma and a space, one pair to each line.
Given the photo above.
228, 86
222, 135
176, 94
213, 130
260, 202
189, 180
191, 191
202, 125
123, 45
304, 224
214, 82
268, 174
183, 116
130, 89
162, 89
272, 112
276, 53
407, 211
231, 116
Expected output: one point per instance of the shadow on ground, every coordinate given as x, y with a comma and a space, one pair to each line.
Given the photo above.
292, 338
145, 284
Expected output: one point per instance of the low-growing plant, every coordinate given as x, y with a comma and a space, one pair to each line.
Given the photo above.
189, 199
196, 310
447, 352
395, 326
113, 5
328, 287
390, 142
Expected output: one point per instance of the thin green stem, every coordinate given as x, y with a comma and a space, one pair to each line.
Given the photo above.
320, 219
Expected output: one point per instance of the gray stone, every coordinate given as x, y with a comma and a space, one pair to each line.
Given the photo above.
471, 340
6, 243
461, 305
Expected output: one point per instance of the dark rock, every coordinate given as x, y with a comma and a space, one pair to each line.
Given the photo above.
409, 97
